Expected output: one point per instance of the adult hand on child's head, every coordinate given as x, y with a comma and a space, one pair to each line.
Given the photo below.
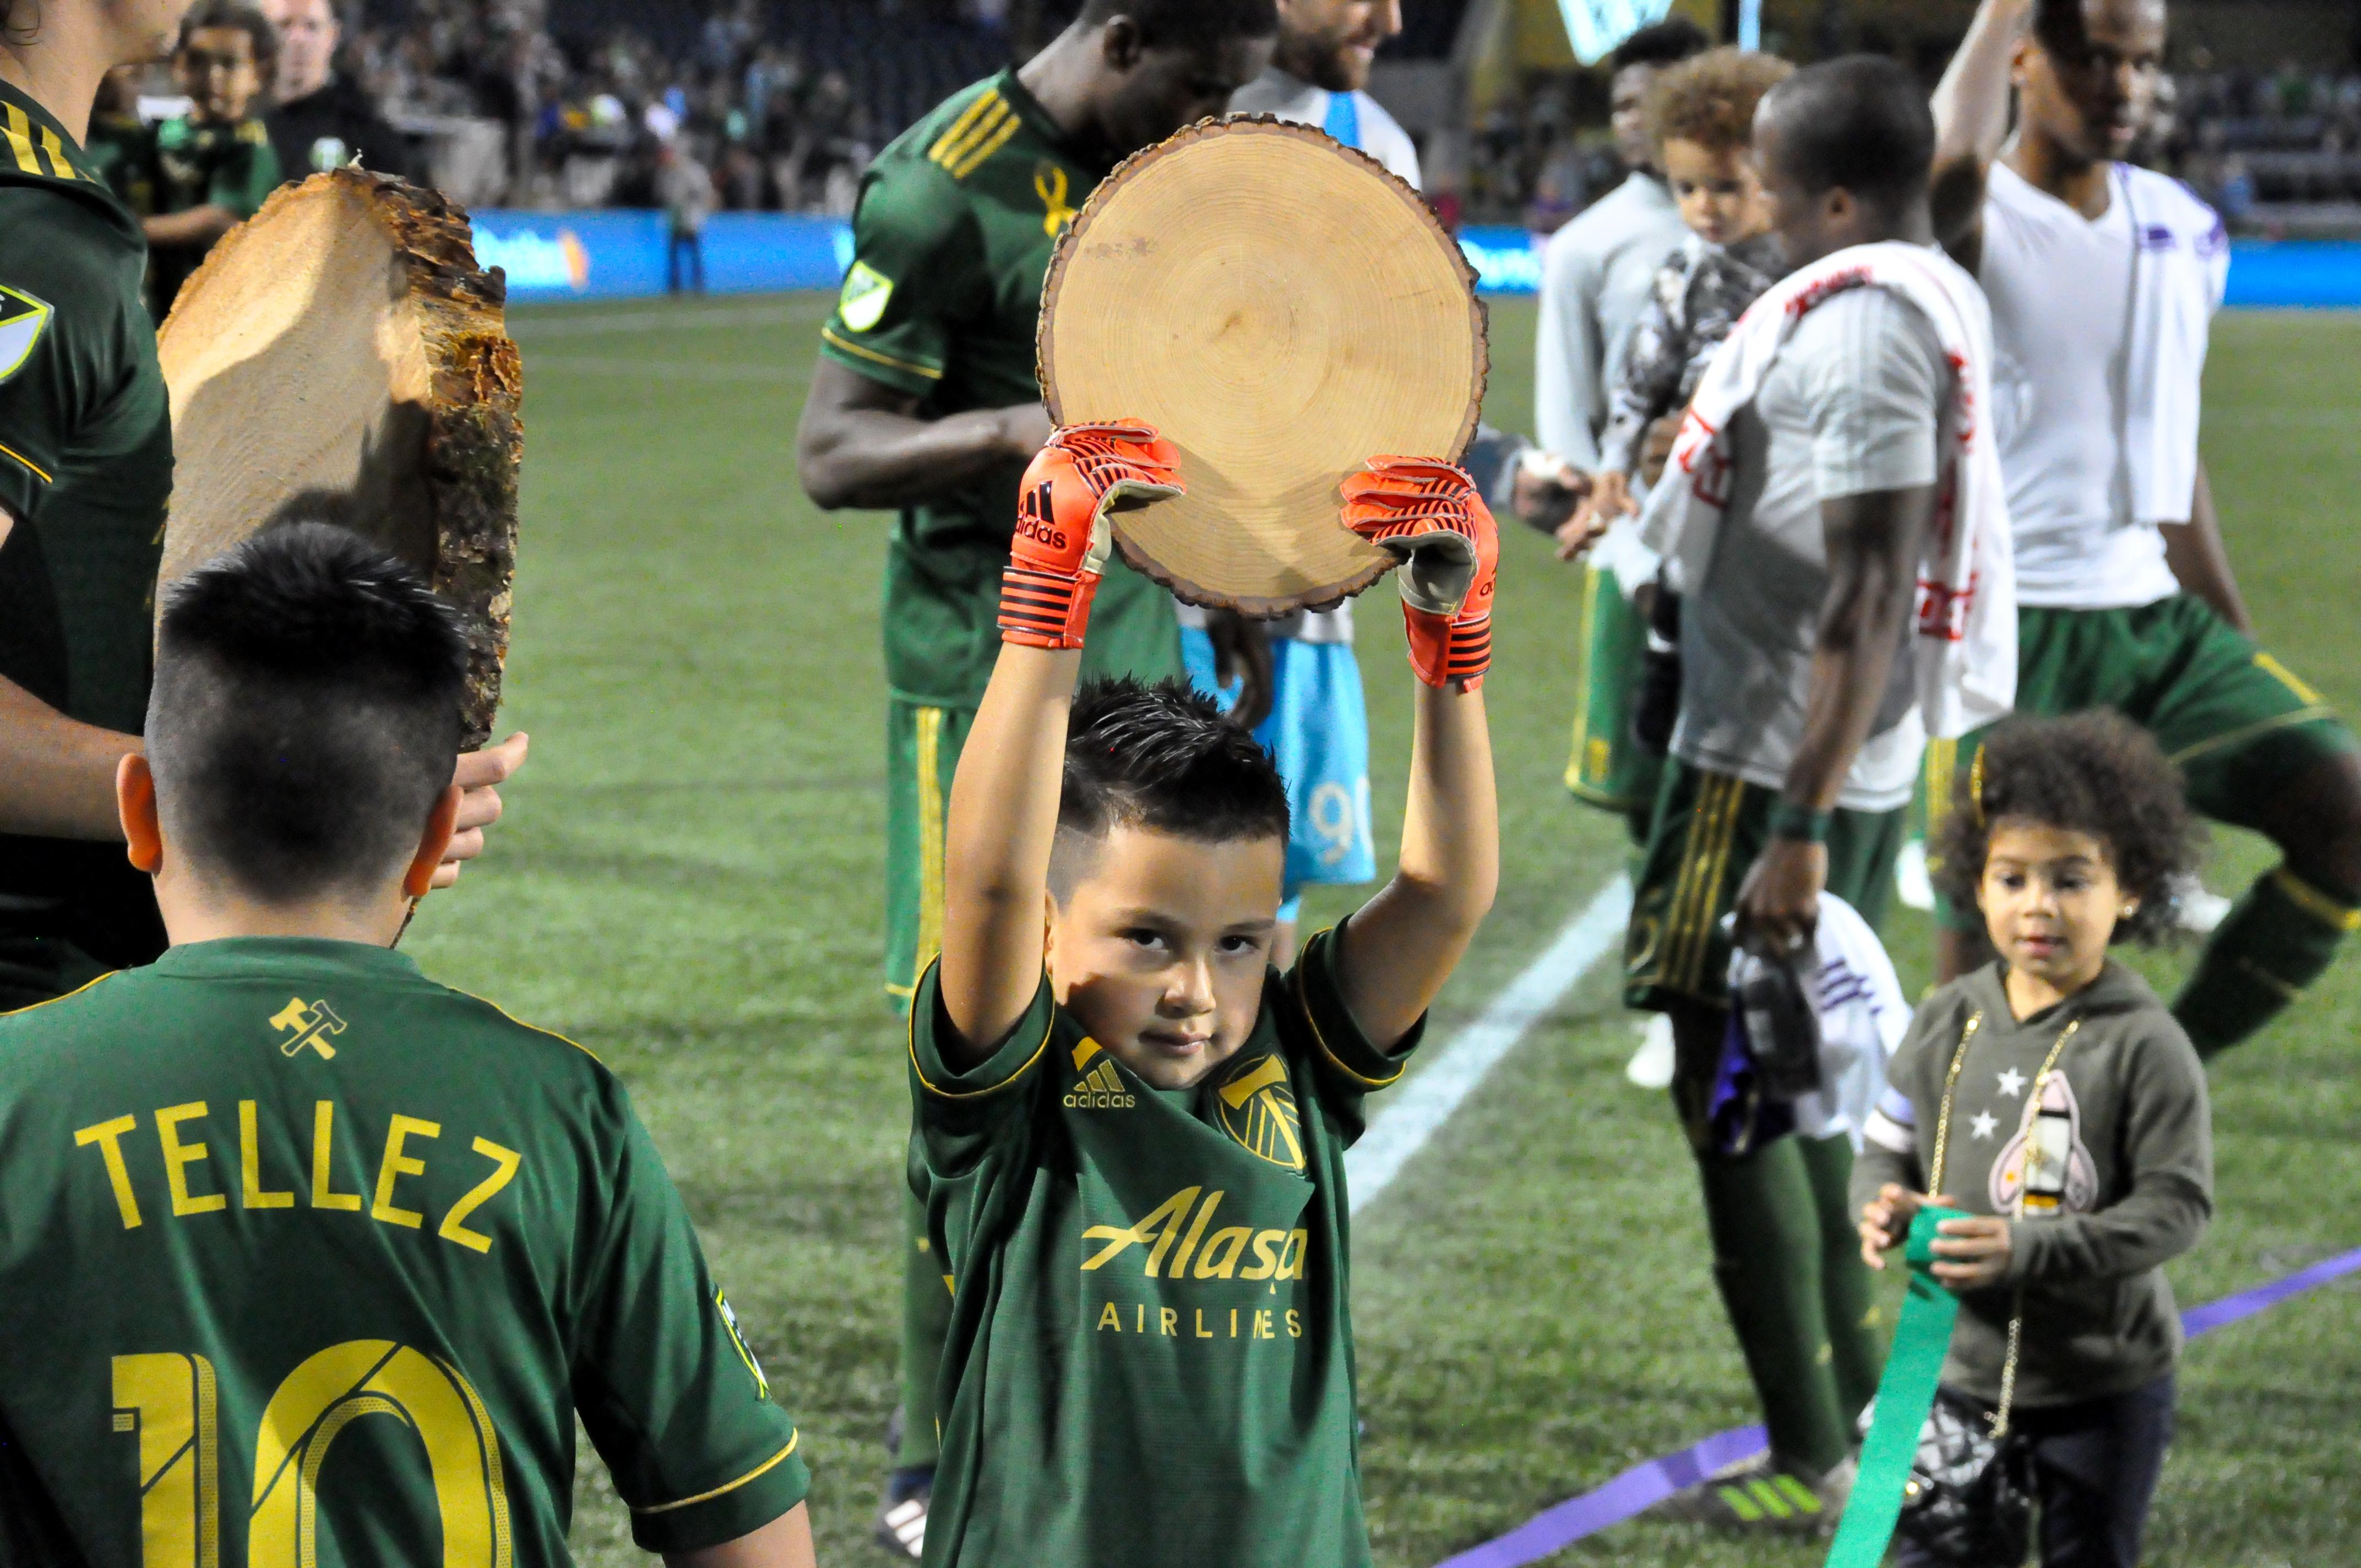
479, 775
1971, 1254
1427, 513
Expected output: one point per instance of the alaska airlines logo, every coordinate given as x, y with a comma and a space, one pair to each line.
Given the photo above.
1178, 1231
1258, 1109
307, 1024
1100, 1088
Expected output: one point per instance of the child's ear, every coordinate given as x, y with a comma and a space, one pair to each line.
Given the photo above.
441, 822
135, 804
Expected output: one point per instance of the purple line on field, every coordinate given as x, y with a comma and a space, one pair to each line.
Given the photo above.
1643, 1487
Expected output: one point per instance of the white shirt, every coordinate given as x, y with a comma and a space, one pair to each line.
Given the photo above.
1858, 401
1596, 274
2061, 287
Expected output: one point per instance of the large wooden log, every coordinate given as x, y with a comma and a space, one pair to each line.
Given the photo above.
340, 357
1281, 309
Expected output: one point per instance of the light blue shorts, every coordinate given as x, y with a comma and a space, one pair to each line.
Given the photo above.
1319, 732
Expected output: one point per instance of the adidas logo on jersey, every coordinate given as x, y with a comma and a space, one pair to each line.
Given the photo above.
1100, 1090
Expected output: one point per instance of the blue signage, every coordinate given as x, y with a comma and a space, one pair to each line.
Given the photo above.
620, 253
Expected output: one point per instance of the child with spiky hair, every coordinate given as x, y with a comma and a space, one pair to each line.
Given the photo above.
1132, 1127
2052, 1097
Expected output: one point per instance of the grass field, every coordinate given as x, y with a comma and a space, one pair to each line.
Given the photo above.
687, 882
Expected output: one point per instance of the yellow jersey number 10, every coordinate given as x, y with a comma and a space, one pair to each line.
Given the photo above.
168, 1401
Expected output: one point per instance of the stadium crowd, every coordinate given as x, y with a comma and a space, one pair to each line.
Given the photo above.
1868, 436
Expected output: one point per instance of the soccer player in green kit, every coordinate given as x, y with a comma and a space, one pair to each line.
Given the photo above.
1133, 1128
85, 465
304, 1257
924, 400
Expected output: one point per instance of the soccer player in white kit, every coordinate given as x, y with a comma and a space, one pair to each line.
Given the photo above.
1596, 274
2103, 278
1798, 740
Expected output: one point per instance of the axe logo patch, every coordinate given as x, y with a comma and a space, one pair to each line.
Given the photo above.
307, 1026
23, 319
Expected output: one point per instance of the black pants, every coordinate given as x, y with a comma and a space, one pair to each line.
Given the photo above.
2094, 1468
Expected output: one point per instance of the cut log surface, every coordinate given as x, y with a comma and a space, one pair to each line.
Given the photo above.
341, 357
1282, 310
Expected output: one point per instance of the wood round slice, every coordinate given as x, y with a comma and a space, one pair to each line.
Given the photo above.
1282, 310
340, 358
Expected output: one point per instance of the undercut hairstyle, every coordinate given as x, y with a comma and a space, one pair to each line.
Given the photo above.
242, 15
1860, 123
1161, 757
1711, 98
306, 716
1667, 42
1200, 24
2093, 772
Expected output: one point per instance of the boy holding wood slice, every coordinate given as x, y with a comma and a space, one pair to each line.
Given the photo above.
1132, 1127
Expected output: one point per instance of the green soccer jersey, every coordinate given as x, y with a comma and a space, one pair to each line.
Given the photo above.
307, 1259
202, 163
951, 239
1150, 1357
86, 467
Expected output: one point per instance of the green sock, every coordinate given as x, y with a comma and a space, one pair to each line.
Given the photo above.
1766, 1250
926, 1318
1856, 1334
2278, 938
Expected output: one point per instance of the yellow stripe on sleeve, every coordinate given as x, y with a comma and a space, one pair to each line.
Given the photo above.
991, 144
57, 151
958, 130
760, 1470
39, 472
19, 130
955, 146
929, 372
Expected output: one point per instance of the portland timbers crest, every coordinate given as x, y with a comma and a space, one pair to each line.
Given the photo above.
1257, 1110
23, 319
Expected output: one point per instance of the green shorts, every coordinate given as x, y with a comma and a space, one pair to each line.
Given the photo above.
1608, 769
1708, 831
2234, 719
922, 753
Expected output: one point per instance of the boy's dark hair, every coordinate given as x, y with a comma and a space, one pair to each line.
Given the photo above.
1162, 756
1710, 98
1190, 23
1667, 42
306, 715
2095, 772
239, 14
1860, 122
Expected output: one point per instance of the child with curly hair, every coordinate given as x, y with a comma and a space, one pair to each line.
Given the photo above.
2051, 1096
1701, 118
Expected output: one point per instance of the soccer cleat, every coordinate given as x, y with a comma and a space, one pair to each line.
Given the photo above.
1650, 1066
1765, 1495
1429, 514
901, 1515
1913, 885
1061, 540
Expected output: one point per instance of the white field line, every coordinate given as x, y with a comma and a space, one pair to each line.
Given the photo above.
1413, 1114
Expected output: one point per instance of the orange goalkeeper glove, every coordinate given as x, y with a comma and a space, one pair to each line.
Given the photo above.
1430, 514
1062, 541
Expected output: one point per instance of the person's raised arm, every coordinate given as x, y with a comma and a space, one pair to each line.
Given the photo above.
1873, 541
1003, 807
1395, 953
862, 444
1971, 106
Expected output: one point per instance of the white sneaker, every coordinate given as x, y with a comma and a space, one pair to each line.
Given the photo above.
2194, 909
1911, 882
1652, 1065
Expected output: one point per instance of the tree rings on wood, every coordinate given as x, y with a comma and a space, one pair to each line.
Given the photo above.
1282, 310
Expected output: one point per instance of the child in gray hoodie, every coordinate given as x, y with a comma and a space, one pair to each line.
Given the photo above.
2067, 1111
